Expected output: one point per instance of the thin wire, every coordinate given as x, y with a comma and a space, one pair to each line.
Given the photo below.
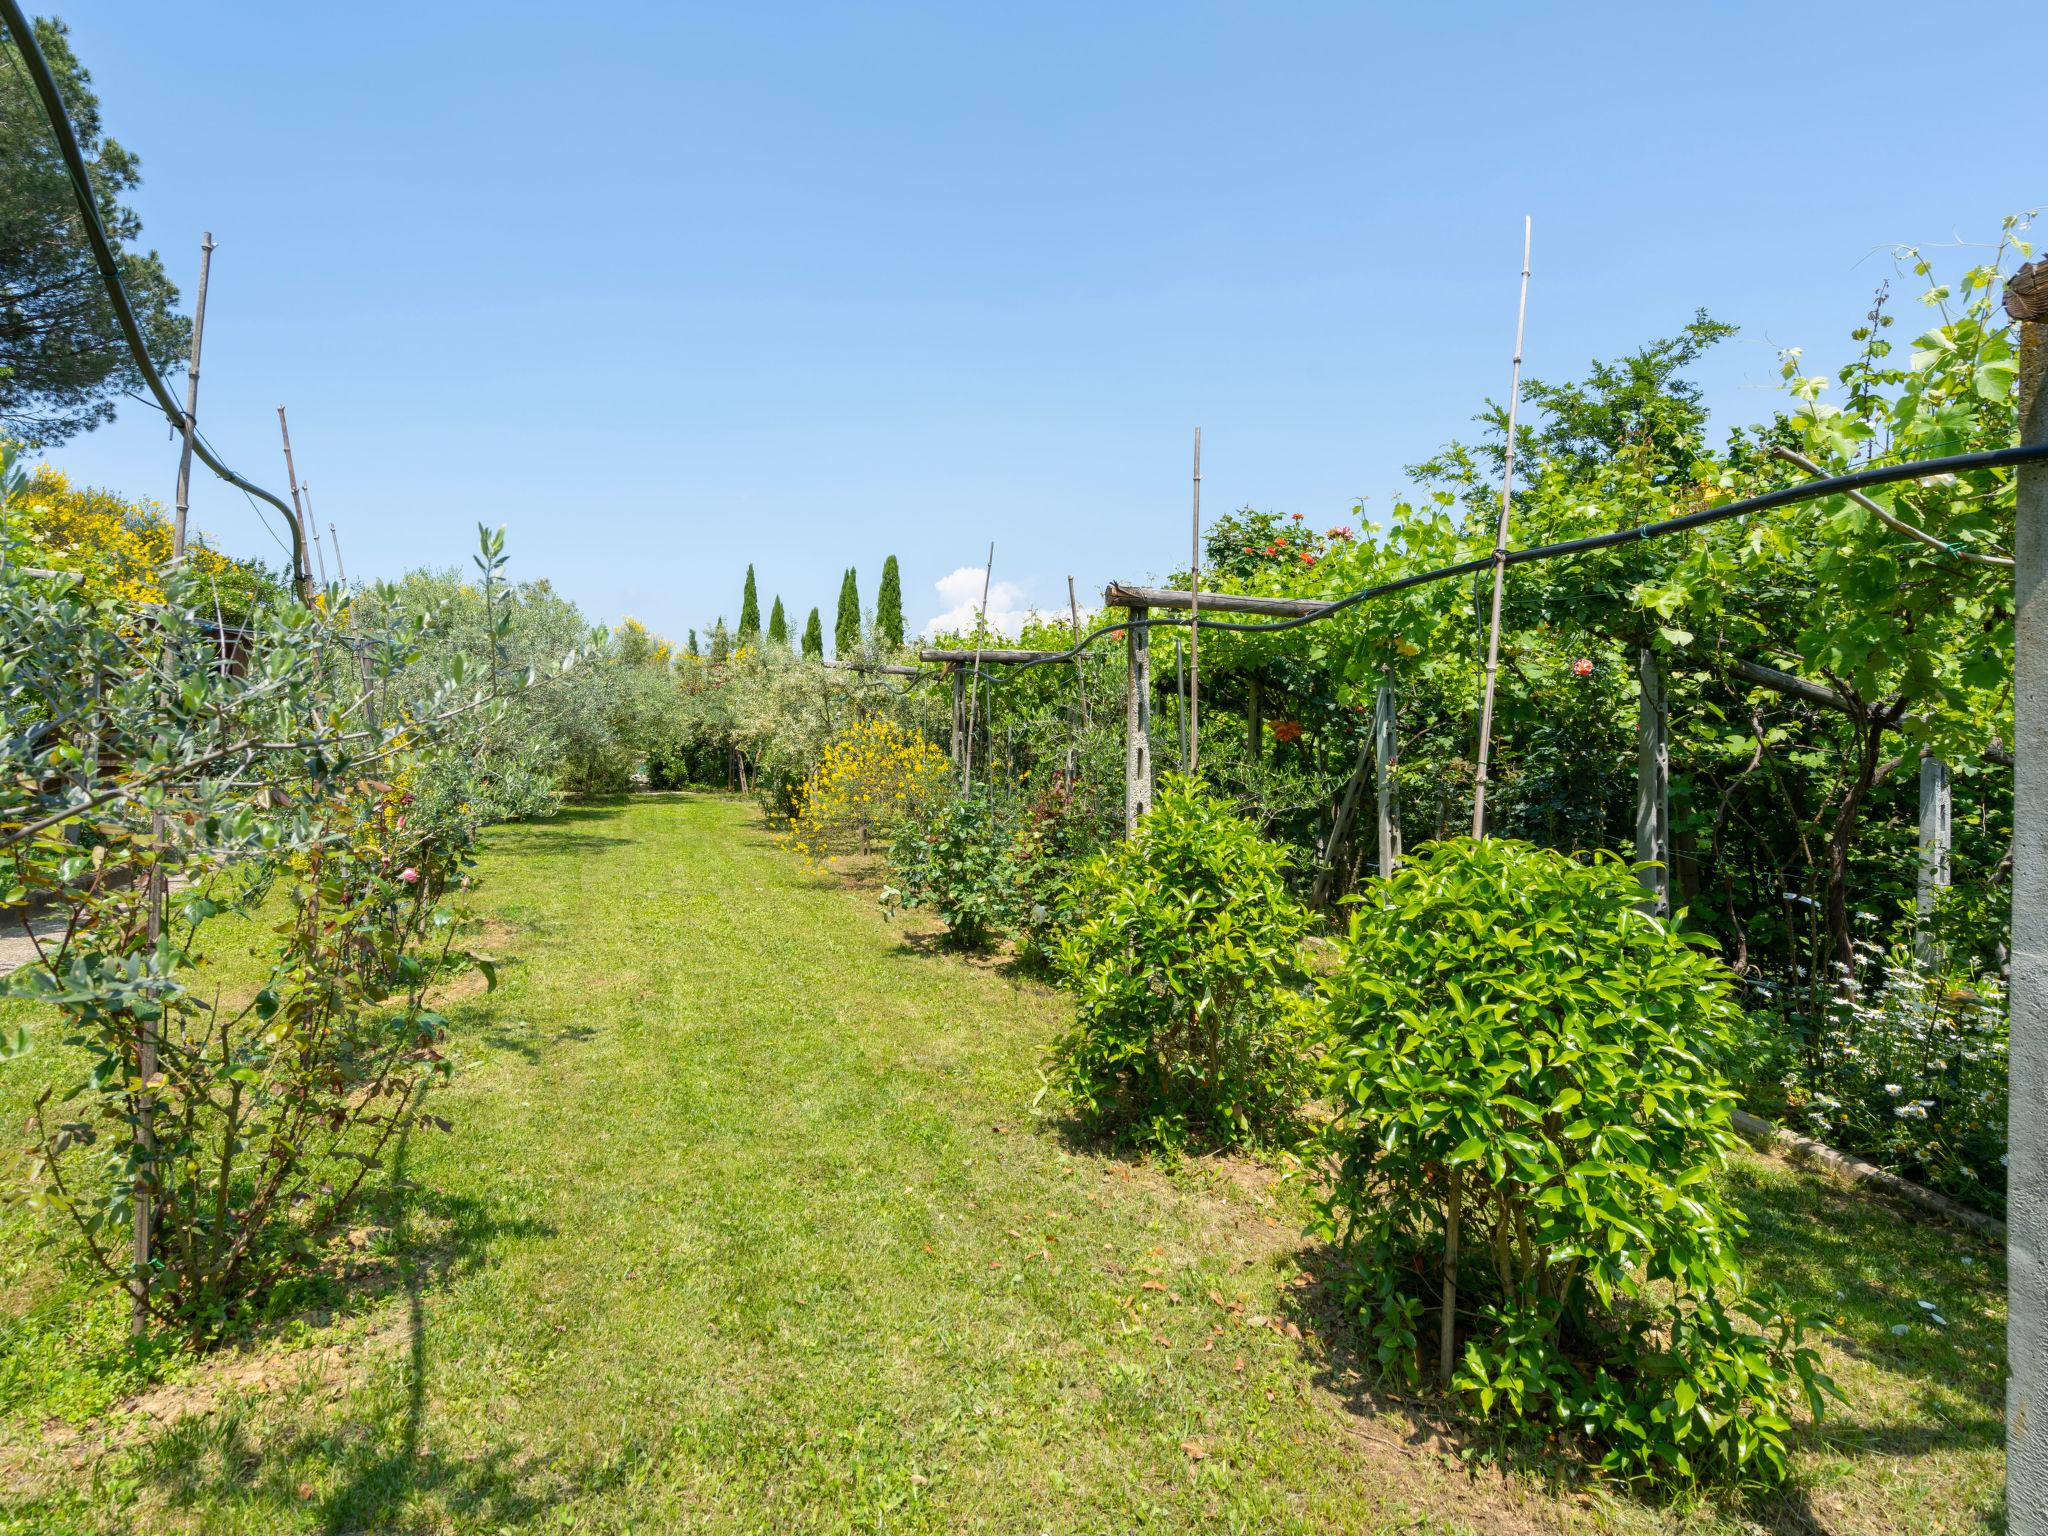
108, 264
1810, 490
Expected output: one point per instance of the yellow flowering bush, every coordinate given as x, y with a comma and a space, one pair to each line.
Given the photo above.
118, 546
873, 774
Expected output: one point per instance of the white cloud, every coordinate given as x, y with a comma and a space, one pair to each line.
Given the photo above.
1007, 609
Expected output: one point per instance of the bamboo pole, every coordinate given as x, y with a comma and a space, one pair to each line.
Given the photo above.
1194, 727
1080, 683
313, 527
302, 576
1447, 1343
184, 502
1180, 698
143, 1203
974, 692
1500, 561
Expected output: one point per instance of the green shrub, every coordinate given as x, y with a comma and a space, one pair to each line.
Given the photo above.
961, 862
1513, 1040
1183, 955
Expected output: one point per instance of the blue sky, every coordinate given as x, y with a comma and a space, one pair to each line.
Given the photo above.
671, 288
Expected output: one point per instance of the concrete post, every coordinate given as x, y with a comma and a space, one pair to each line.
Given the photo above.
1137, 721
1937, 807
1387, 751
2026, 1336
1653, 783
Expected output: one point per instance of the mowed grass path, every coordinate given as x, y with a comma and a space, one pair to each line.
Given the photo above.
748, 1224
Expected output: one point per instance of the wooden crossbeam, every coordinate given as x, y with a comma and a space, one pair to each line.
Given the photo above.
888, 669
1117, 595
959, 658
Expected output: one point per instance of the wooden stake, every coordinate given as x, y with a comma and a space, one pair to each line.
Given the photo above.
1500, 564
1340, 830
206, 250
340, 573
301, 578
974, 693
1447, 1333
1387, 754
1180, 699
1653, 785
1137, 720
959, 717
313, 528
1937, 810
158, 893
2026, 1346
1080, 684
1194, 732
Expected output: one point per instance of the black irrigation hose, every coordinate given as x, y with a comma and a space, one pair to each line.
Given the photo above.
110, 271
1809, 490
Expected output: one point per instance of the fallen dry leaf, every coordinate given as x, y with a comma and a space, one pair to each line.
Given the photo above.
1194, 1449
1153, 1285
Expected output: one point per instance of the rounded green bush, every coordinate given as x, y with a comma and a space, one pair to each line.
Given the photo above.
1184, 958
1512, 1038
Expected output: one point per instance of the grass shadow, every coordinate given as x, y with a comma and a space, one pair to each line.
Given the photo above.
376, 1470
1861, 1260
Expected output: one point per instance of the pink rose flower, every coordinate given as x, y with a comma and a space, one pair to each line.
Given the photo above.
409, 875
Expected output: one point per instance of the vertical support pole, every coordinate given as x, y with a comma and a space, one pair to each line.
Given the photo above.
302, 573
1194, 722
1333, 849
184, 502
2026, 1439
1080, 682
974, 683
1137, 720
1500, 567
1180, 699
313, 529
959, 738
142, 1204
1255, 718
1653, 783
1387, 750
1937, 810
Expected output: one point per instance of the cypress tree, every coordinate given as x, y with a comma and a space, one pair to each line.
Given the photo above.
814, 639
750, 611
889, 605
721, 642
846, 630
693, 644
778, 627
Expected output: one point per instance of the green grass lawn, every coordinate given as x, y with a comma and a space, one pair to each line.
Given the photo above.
748, 1223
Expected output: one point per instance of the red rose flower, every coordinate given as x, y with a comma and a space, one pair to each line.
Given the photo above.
1583, 667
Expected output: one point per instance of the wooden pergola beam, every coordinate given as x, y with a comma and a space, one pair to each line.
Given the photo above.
884, 667
958, 658
1117, 595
